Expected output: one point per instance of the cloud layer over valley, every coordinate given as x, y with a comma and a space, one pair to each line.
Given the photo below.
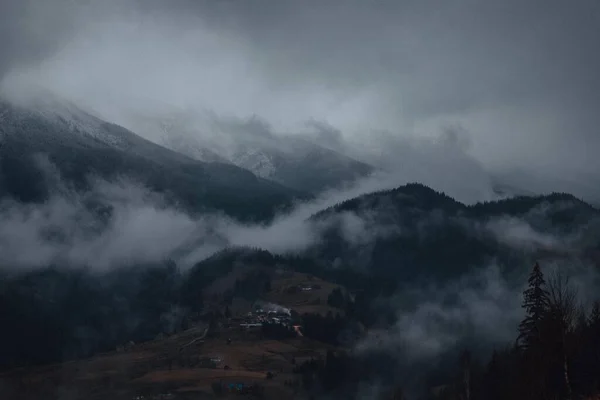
121, 223
382, 143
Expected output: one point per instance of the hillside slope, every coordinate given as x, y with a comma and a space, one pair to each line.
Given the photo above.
414, 232
288, 160
79, 145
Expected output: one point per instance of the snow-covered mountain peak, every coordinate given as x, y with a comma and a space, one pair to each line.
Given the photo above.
60, 113
250, 144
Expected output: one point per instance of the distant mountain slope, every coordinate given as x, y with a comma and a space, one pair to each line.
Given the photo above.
414, 232
299, 164
79, 144
519, 182
291, 161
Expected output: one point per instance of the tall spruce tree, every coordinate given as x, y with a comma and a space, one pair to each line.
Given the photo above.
535, 303
465, 365
594, 319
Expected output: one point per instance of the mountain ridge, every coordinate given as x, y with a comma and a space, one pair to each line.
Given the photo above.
393, 233
85, 145
289, 160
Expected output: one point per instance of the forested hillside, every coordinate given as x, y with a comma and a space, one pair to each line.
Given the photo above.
415, 233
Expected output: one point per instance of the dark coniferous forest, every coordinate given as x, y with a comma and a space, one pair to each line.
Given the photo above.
61, 313
299, 199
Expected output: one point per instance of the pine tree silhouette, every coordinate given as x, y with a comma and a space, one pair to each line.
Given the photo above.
535, 303
594, 319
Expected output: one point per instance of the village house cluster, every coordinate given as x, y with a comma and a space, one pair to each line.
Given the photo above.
259, 316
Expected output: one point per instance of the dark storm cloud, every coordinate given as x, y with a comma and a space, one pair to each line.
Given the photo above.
19, 41
521, 76
507, 52
518, 77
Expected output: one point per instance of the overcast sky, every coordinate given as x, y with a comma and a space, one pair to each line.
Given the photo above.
518, 78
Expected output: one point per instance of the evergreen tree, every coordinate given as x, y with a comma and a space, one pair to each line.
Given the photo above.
336, 298
594, 320
267, 287
465, 365
535, 302
398, 394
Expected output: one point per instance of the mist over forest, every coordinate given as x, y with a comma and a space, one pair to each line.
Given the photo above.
162, 163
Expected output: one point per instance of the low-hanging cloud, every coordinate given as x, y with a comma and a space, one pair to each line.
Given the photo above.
485, 305
64, 230
518, 80
122, 222
418, 108
517, 233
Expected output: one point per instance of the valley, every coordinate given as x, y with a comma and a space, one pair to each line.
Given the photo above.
224, 358
133, 271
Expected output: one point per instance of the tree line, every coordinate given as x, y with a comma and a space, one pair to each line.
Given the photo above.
556, 354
